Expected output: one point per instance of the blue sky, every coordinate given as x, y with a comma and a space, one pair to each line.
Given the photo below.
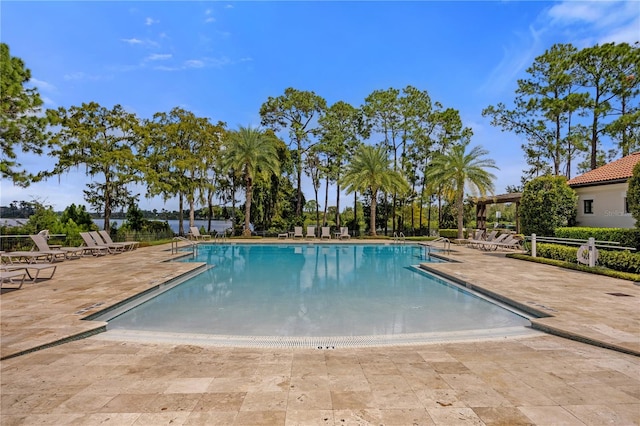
222, 60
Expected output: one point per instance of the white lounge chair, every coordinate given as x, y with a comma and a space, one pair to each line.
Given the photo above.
93, 247
297, 232
113, 248
27, 257
311, 232
128, 245
61, 253
344, 233
194, 232
32, 269
326, 233
13, 277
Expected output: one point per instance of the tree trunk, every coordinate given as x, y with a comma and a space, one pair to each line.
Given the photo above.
247, 209
355, 213
338, 205
372, 220
192, 211
107, 205
460, 202
180, 215
209, 210
326, 202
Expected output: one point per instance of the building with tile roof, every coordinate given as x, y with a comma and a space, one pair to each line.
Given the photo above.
602, 194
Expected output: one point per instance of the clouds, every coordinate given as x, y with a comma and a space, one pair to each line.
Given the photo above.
582, 24
595, 22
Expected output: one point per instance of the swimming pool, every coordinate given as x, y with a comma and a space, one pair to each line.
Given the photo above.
315, 291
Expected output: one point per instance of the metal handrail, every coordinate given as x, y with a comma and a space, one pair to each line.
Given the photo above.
397, 237
446, 244
176, 240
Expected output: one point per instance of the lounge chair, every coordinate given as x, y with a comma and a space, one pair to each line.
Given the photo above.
510, 242
129, 245
194, 232
12, 276
344, 233
113, 247
326, 233
311, 232
297, 232
93, 247
479, 243
491, 244
27, 256
32, 269
61, 253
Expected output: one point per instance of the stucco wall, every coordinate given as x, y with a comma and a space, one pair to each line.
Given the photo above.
608, 206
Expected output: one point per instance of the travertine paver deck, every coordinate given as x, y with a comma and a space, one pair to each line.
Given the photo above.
543, 380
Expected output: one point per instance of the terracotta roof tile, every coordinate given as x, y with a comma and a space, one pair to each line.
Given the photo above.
614, 171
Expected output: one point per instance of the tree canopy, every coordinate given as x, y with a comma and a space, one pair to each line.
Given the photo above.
21, 124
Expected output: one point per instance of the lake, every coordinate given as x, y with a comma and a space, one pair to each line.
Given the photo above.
216, 225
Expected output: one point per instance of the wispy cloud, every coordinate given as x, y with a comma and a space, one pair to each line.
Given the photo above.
208, 16
596, 22
42, 85
137, 42
158, 57
131, 41
198, 64
151, 21
517, 56
79, 75
582, 24
194, 63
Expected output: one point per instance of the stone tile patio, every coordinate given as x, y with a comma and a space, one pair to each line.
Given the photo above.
543, 380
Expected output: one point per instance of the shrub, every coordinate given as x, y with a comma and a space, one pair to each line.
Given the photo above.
596, 270
451, 233
547, 203
623, 261
633, 194
626, 237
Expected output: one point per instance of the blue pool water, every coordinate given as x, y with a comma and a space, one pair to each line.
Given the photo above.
314, 290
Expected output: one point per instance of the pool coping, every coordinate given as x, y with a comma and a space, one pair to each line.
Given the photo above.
153, 256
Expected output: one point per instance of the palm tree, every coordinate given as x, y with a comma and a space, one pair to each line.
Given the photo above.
250, 152
455, 168
370, 169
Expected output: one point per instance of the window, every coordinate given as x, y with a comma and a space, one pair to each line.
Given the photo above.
588, 206
626, 206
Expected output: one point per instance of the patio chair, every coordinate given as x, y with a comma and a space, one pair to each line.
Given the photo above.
194, 232
32, 269
492, 243
31, 257
113, 248
311, 232
12, 276
479, 243
128, 245
61, 253
94, 248
511, 242
344, 233
297, 232
326, 233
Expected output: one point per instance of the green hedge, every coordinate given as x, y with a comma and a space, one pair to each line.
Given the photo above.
626, 237
596, 270
451, 233
624, 261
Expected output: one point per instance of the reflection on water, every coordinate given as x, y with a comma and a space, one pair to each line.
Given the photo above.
314, 290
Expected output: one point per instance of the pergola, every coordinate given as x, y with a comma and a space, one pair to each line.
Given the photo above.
481, 207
